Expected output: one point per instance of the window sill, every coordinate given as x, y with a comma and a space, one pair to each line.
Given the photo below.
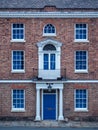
81, 71
49, 35
18, 40
81, 110
81, 40
17, 71
18, 110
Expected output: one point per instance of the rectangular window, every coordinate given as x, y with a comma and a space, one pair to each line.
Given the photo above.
49, 61
81, 98
18, 32
81, 32
18, 61
81, 61
18, 99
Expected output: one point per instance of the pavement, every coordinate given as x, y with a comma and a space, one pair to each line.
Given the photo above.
49, 124
30, 128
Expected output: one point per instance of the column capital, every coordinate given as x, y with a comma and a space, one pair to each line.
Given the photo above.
61, 88
37, 89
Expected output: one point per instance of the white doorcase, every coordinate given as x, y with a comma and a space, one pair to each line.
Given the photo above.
59, 100
56, 102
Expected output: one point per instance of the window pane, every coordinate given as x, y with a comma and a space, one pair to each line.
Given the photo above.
46, 61
52, 61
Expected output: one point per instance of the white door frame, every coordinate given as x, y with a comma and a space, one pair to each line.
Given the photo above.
39, 104
56, 102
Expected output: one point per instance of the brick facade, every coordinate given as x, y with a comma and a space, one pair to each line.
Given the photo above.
33, 35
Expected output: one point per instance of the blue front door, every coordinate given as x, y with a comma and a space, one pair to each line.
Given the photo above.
49, 106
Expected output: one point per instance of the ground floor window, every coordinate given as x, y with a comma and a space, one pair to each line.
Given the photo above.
18, 99
81, 99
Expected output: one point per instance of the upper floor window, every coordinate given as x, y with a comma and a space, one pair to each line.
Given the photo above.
49, 61
81, 98
49, 30
49, 53
81, 32
81, 61
18, 32
49, 57
18, 99
18, 61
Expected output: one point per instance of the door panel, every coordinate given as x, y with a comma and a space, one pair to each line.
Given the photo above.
49, 106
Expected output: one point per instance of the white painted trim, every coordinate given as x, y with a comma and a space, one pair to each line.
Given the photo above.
49, 34
81, 81
18, 71
45, 86
49, 41
38, 118
16, 81
47, 81
18, 40
18, 110
61, 117
29, 14
81, 40
42, 104
57, 104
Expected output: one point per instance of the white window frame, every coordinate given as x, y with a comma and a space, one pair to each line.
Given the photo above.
18, 40
18, 70
18, 109
49, 34
81, 70
49, 53
81, 40
81, 109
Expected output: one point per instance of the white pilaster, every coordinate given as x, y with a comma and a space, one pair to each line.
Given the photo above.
60, 105
38, 105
